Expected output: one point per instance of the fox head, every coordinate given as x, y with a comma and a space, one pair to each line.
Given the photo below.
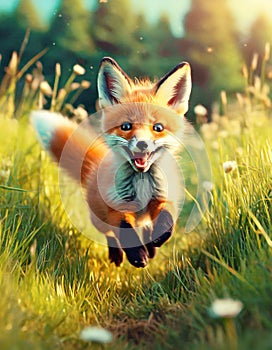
142, 119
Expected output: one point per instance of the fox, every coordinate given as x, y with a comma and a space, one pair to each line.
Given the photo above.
129, 171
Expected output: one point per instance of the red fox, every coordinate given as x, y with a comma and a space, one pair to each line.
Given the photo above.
129, 172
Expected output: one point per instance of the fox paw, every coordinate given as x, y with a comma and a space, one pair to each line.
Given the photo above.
115, 251
149, 246
132, 245
151, 250
137, 256
116, 256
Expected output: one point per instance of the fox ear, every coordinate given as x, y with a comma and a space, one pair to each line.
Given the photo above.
174, 88
112, 83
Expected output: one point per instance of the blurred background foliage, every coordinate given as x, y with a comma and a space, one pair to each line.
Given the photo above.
211, 42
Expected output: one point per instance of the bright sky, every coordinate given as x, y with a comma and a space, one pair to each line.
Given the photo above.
173, 8
244, 10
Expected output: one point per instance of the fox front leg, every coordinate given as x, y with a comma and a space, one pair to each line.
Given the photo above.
115, 251
163, 228
132, 245
147, 236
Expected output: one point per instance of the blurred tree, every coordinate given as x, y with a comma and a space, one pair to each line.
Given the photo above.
163, 37
69, 41
27, 16
113, 27
143, 49
166, 52
11, 36
210, 45
13, 28
260, 33
153, 48
70, 28
153, 53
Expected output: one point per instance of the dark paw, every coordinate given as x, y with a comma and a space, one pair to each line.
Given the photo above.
132, 245
158, 242
115, 251
137, 256
116, 255
163, 228
149, 246
151, 249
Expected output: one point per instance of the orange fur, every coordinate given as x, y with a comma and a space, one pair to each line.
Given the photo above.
73, 148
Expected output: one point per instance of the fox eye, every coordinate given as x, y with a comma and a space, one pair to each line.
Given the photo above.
158, 127
126, 126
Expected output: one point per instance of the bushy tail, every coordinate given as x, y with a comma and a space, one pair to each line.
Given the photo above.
75, 147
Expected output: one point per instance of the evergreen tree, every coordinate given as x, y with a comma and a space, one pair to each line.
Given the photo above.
70, 28
149, 55
11, 36
210, 45
144, 49
260, 34
113, 28
27, 16
13, 28
69, 41
166, 45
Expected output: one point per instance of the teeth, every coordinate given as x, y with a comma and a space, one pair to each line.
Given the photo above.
140, 160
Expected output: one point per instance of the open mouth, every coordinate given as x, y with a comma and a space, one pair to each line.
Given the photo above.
140, 160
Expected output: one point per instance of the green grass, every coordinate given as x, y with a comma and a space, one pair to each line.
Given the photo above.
55, 282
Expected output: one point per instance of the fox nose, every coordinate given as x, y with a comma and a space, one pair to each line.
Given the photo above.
142, 145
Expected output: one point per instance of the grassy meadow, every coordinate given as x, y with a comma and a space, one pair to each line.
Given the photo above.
55, 282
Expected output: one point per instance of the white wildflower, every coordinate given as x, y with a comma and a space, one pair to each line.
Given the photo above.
200, 110
80, 113
78, 70
61, 94
229, 166
85, 84
226, 308
207, 186
45, 88
74, 86
96, 334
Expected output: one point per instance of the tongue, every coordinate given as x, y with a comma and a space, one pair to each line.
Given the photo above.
140, 162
